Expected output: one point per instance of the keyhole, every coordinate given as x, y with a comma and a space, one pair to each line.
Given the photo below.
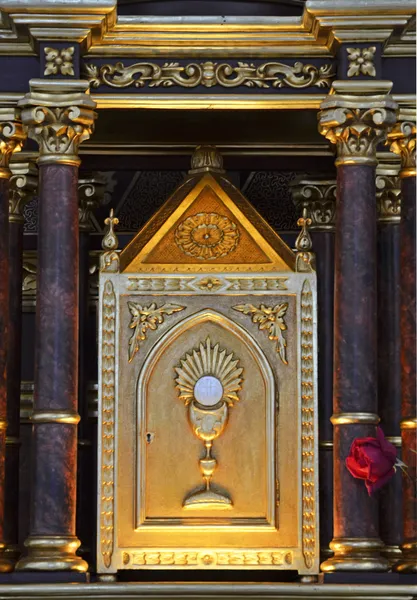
149, 437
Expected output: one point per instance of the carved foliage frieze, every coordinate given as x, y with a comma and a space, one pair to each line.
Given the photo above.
206, 285
207, 558
210, 74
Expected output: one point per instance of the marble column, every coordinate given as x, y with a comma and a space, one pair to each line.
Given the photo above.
318, 197
91, 188
355, 117
22, 184
11, 140
59, 116
403, 142
388, 196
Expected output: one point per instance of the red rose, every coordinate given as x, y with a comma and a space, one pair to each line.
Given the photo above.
372, 459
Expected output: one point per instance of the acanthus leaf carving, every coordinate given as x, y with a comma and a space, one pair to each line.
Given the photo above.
146, 318
271, 320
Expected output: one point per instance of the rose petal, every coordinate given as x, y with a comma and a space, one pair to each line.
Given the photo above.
355, 469
388, 449
373, 486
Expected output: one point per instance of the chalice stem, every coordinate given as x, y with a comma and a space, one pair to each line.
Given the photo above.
208, 464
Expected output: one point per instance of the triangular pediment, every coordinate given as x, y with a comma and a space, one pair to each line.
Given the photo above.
207, 225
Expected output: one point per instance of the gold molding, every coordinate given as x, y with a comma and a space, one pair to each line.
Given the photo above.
352, 418
307, 426
59, 116
395, 440
209, 74
410, 423
55, 416
326, 445
52, 553
355, 118
108, 365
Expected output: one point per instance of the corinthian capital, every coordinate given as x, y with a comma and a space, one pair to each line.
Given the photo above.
388, 188
355, 117
91, 190
59, 116
318, 197
402, 140
12, 137
23, 184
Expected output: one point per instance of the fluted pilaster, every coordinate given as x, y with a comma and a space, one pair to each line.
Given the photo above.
59, 116
355, 118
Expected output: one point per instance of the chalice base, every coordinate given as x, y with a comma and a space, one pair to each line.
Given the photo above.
207, 499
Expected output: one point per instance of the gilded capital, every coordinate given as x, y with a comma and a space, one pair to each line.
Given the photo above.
402, 140
23, 184
12, 137
318, 198
388, 188
59, 116
355, 117
91, 190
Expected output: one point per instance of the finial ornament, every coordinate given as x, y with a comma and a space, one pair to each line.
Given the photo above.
305, 260
206, 158
110, 241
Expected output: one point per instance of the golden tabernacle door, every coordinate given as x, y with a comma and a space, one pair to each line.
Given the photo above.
208, 399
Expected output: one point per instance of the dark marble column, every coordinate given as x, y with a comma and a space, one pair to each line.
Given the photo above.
318, 196
58, 128
11, 138
355, 118
403, 142
389, 364
91, 188
23, 183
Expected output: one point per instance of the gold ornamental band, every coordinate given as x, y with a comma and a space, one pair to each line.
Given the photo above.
409, 423
353, 418
12, 440
52, 553
3, 425
355, 160
408, 172
326, 445
346, 544
59, 159
395, 440
55, 416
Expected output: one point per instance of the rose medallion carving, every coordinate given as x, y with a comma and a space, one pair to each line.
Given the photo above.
207, 236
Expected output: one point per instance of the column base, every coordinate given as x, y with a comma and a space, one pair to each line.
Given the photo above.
12, 552
356, 554
52, 553
392, 553
408, 562
6, 564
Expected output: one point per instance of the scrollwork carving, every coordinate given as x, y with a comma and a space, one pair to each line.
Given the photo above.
90, 196
388, 196
402, 141
209, 74
23, 183
12, 137
207, 236
271, 320
318, 197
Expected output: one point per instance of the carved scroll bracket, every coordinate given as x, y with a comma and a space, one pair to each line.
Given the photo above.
23, 184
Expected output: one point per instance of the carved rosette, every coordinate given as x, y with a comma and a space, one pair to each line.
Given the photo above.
91, 190
318, 197
12, 137
402, 140
23, 184
355, 117
388, 190
59, 116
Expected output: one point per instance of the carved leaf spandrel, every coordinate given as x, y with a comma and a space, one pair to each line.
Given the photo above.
271, 320
146, 318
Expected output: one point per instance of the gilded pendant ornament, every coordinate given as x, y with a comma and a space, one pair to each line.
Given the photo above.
146, 318
361, 61
209, 74
108, 422
271, 320
307, 425
209, 380
59, 62
207, 236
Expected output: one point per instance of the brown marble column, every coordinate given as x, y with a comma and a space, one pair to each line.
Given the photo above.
91, 188
403, 142
355, 117
22, 184
318, 196
11, 140
59, 116
388, 196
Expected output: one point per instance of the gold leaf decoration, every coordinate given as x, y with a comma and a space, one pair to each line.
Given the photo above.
271, 320
207, 236
209, 74
146, 318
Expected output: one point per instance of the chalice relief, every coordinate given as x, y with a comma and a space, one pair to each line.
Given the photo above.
209, 379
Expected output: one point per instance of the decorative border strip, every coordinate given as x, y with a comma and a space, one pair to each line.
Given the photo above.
207, 558
108, 418
307, 426
209, 74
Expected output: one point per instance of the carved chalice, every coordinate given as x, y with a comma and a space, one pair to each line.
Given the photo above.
208, 382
